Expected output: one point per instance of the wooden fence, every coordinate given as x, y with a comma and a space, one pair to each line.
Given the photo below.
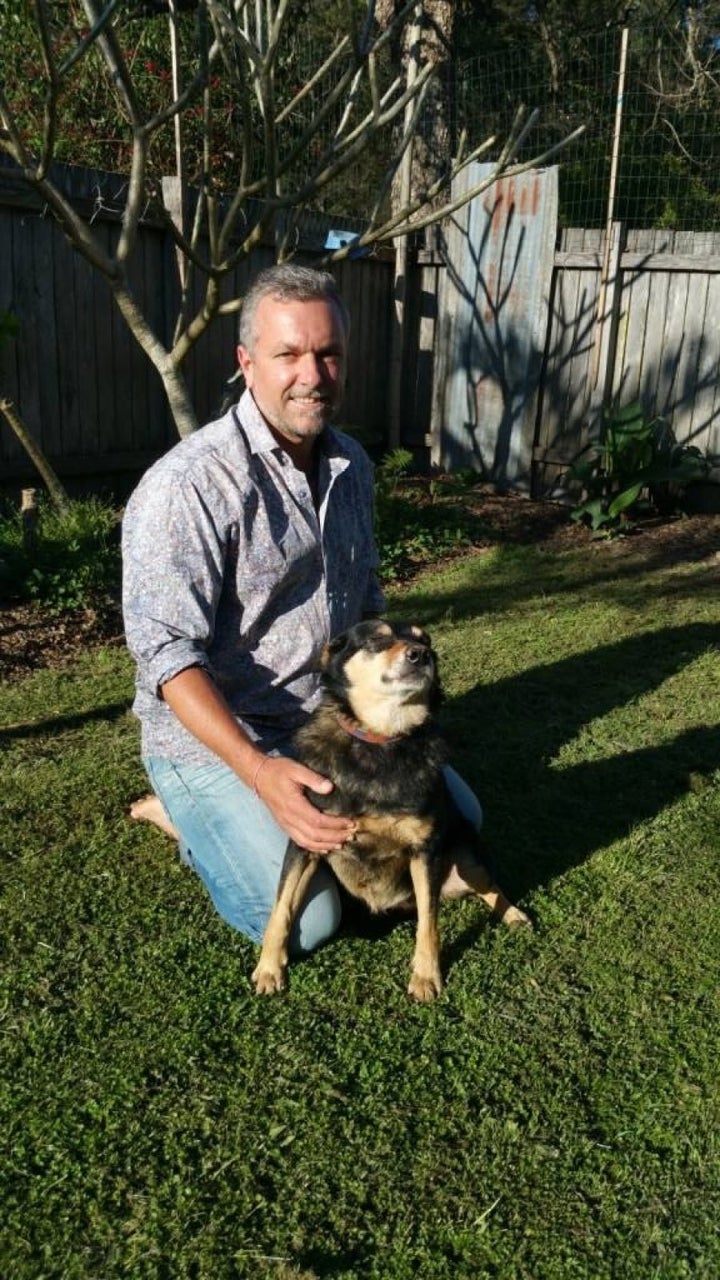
651, 334
82, 385
512, 341
535, 333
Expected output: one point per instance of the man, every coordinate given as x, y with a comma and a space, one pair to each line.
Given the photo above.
245, 549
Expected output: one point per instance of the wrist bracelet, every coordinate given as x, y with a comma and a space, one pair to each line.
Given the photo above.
255, 776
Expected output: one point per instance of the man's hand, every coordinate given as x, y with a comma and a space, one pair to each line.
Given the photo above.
281, 783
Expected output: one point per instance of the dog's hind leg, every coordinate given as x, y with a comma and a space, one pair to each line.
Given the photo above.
297, 872
426, 979
471, 873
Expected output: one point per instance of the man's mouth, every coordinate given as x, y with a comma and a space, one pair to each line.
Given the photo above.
310, 401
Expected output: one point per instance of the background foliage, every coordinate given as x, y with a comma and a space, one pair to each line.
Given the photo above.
559, 56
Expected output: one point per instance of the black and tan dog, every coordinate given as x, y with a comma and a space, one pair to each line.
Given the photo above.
374, 736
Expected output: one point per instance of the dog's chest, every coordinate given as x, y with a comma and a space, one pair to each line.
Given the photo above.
374, 865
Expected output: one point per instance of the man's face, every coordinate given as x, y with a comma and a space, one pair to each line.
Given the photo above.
296, 368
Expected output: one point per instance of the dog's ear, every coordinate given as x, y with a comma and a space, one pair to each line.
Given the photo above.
354, 638
421, 635
333, 647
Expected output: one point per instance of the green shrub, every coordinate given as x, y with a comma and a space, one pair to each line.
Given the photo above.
412, 524
68, 560
633, 456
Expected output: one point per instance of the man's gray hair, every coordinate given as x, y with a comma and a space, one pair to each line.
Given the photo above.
288, 282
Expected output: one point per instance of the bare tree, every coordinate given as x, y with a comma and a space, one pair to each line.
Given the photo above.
296, 141
427, 38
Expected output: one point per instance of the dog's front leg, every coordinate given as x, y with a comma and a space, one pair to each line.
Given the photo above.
297, 871
426, 980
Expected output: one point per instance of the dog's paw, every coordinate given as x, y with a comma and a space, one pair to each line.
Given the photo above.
425, 988
268, 982
514, 918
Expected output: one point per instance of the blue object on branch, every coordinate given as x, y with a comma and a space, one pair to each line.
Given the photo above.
339, 240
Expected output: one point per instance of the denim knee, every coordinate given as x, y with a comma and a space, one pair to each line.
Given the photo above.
319, 916
230, 839
464, 797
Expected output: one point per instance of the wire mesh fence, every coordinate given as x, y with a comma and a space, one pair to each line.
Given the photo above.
668, 172
666, 112
669, 141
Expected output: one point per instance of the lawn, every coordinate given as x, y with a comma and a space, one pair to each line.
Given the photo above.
555, 1115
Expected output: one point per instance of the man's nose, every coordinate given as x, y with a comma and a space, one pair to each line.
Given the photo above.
311, 369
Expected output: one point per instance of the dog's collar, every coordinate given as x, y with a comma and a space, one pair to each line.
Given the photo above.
366, 735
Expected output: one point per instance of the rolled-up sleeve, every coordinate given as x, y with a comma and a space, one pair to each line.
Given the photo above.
173, 564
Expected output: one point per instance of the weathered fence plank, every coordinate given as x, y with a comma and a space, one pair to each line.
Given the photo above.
667, 295
499, 252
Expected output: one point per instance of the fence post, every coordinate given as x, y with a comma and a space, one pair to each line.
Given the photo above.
29, 517
607, 322
609, 223
401, 247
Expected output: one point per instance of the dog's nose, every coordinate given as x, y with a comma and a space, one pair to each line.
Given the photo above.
417, 654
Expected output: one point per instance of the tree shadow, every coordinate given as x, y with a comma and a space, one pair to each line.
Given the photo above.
545, 817
63, 723
514, 388
622, 573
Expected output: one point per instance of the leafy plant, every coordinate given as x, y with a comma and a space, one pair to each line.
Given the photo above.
72, 561
412, 524
633, 455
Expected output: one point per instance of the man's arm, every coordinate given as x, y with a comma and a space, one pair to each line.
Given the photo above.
198, 704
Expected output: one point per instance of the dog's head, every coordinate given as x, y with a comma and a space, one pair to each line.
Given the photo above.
384, 676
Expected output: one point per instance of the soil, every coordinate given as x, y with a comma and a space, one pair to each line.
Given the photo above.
32, 638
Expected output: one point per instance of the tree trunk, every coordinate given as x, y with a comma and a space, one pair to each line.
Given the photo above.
434, 143
181, 406
173, 379
55, 487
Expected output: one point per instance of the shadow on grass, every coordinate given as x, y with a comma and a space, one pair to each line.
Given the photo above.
516, 574
61, 724
554, 817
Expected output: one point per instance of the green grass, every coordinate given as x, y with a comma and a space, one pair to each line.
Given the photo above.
556, 1114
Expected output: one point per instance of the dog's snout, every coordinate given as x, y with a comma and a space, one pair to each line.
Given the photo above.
417, 655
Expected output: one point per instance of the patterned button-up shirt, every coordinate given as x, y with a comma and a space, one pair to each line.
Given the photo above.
228, 566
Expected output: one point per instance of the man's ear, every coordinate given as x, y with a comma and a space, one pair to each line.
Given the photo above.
245, 361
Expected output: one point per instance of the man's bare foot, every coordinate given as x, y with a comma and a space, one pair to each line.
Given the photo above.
150, 809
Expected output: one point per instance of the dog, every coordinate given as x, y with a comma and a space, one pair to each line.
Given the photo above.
374, 735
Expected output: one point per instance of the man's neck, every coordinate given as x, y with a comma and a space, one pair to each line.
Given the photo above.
304, 453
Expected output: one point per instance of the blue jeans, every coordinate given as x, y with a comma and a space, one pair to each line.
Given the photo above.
230, 838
